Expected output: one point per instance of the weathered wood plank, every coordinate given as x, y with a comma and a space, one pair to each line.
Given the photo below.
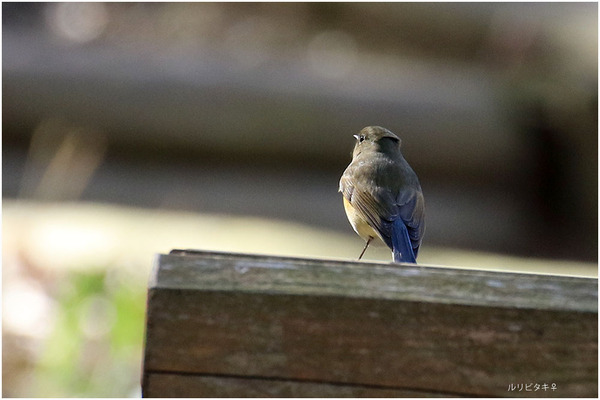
224, 271
393, 327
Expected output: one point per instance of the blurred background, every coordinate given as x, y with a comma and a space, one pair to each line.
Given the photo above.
130, 129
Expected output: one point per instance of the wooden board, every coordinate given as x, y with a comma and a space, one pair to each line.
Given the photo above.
221, 325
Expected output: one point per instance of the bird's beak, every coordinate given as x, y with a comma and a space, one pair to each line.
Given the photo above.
356, 136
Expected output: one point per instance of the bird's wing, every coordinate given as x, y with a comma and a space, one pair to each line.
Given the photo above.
375, 204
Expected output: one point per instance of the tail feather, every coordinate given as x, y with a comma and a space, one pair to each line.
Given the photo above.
401, 245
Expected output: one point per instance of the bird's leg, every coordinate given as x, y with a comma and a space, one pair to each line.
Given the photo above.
365, 249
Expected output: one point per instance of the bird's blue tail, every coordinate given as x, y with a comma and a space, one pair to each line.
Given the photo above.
401, 246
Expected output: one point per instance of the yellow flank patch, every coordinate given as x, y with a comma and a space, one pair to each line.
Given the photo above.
359, 224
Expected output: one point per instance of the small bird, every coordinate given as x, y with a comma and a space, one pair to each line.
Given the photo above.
382, 195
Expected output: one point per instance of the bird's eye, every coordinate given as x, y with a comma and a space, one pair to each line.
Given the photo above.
361, 138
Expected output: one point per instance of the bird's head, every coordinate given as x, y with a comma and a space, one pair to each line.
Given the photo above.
376, 138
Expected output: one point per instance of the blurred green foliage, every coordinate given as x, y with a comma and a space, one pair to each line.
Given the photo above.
95, 348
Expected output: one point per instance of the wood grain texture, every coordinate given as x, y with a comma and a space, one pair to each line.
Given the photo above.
289, 325
180, 385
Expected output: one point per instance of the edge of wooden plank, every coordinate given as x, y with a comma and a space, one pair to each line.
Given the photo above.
216, 271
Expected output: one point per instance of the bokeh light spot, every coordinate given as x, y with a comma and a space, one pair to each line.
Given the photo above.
77, 22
